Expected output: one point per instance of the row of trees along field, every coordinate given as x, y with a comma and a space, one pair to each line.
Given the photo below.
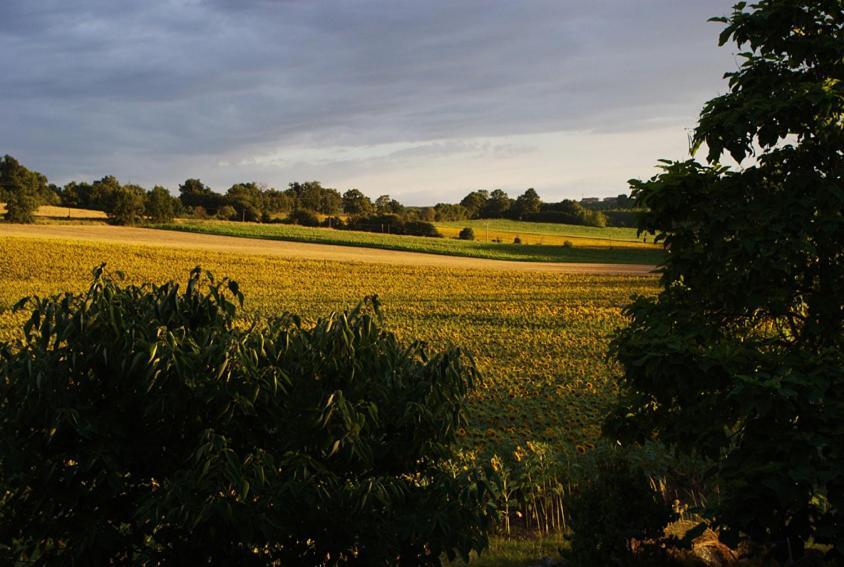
24, 190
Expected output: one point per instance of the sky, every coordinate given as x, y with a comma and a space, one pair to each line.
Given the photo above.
421, 100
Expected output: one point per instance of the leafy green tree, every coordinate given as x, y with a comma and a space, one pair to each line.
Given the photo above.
21, 207
356, 203
448, 211
313, 196
740, 358
127, 205
145, 425
382, 204
193, 193
160, 205
527, 203
247, 199
23, 190
475, 202
77, 194
276, 201
497, 205
385, 205
330, 202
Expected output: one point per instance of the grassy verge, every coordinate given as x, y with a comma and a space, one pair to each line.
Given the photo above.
606, 253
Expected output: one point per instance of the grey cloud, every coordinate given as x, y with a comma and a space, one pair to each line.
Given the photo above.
147, 89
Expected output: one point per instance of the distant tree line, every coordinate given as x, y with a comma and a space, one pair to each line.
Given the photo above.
24, 190
526, 207
306, 203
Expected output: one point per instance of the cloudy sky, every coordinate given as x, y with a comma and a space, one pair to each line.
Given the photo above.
423, 100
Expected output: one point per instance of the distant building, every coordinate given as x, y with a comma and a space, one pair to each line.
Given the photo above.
591, 200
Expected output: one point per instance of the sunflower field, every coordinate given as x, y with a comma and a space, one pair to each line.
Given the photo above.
539, 340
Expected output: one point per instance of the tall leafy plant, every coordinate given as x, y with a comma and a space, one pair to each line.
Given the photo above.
148, 424
740, 358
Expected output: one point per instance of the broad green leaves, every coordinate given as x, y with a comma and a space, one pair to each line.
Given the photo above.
144, 424
741, 356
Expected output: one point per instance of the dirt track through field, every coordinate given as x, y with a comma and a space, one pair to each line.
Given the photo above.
299, 250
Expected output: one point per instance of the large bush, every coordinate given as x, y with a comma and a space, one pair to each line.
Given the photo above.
146, 425
392, 224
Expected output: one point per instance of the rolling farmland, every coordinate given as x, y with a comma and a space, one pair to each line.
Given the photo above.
539, 337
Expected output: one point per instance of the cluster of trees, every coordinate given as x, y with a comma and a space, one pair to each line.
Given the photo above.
125, 204
528, 207
24, 190
257, 203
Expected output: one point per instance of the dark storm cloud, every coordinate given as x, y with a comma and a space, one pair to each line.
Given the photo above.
149, 89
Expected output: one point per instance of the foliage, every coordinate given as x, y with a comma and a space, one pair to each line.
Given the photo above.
247, 199
159, 205
616, 509
741, 356
21, 207
22, 190
127, 205
449, 212
387, 205
303, 217
622, 217
497, 205
193, 193
474, 203
356, 203
141, 425
227, 212
313, 196
391, 224
527, 203
567, 212
467, 234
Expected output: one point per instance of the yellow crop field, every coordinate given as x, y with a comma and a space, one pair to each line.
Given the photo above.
527, 237
54, 212
539, 338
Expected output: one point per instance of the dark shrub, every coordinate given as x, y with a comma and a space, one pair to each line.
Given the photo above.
141, 425
517, 240
467, 234
420, 228
303, 217
615, 513
392, 224
568, 244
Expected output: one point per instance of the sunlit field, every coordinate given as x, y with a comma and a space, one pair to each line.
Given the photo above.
586, 249
52, 212
539, 338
